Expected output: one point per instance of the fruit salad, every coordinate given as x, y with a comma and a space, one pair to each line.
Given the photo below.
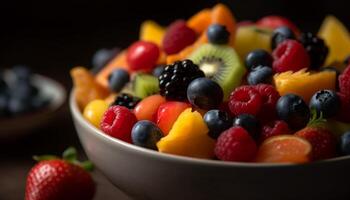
212, 88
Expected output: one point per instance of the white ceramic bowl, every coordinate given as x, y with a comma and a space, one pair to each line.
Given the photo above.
147, 174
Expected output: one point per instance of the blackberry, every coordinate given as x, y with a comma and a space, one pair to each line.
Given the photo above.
315, 47
126, 100
175, 78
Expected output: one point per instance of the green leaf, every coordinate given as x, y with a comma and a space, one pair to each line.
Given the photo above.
70, 154
87, 165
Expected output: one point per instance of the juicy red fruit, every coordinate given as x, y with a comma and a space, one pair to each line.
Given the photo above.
177, 37
235, 144
118, 122
269, 96
290, 55
142, 55
274, 21
245, 99
344, 111
344, 82
274, 128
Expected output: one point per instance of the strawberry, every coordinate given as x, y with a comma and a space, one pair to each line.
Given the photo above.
54, 178
322, 140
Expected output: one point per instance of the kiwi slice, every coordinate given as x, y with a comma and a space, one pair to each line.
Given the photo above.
222, 64
145, 85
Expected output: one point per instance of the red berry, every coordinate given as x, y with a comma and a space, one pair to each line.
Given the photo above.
274, 21
117, 122
142, 55
274, 128
235, 144
290, 55
344, 82
58, 179
177, 37
245, 99
344, 111
269, 96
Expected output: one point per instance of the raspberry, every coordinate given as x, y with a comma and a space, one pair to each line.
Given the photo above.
269, 96
344, 82
344, 111
290, 55
126, 100
235, 144
177, 37
245, 99
274, 128
117, 122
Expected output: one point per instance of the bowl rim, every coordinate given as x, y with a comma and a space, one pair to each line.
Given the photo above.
177, 158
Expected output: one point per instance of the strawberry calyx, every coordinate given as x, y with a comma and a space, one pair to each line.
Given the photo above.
316, 120
70, 155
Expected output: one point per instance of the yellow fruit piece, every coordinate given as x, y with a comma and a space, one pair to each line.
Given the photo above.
93, 112
152, 32
188, 137
337, 38
249, 38
304, 84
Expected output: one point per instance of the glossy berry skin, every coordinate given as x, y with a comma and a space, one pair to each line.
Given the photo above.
344, 82
205, 93
126, 100
235, 144
269, 96
218, 34
102, 57
117, 122
158, 70
290, 55
57, 180
245, 99
260, 74
118, 79
345, 143
281, 34
249, 123
326, 102
258, 57
316, 48
142, 56
293, 110
273, 128
146, 134
217, 122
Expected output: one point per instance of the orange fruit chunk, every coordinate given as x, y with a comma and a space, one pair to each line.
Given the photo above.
284, 149
222, 15
150, 31
200, 21
86, 89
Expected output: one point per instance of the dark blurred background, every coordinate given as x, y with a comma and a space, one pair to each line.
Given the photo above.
53, 36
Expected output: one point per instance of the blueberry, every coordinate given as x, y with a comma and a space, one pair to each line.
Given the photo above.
158, 70
293, 110
118, 79
217, 122
205, 93
345, 143
249, 123
218, 34
326, 102
22, 73
146, 134
280, 34
24, 91
260, 74
18, 106
258, 57
102, 57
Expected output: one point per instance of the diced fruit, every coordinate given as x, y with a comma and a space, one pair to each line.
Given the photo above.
235, 144
326, 103
102, 57
150, 31
220, 63
249, 123
275, 21
269, 97
217, 34
93, 112
249, 38
188, 137
344, 111
148, 107
281, 34
117, 122
119, 61
337, 38
344, 82
217, 122
126, 100
86, 89
145, 85
273, 128
118, 79
284, 149
200, 21
293, 110
146, 134
167, 114
260, 74
303, 83
177, 37
290, 55
142, 55
205, 93
258, 57
345, 143
222, 15
245, 99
